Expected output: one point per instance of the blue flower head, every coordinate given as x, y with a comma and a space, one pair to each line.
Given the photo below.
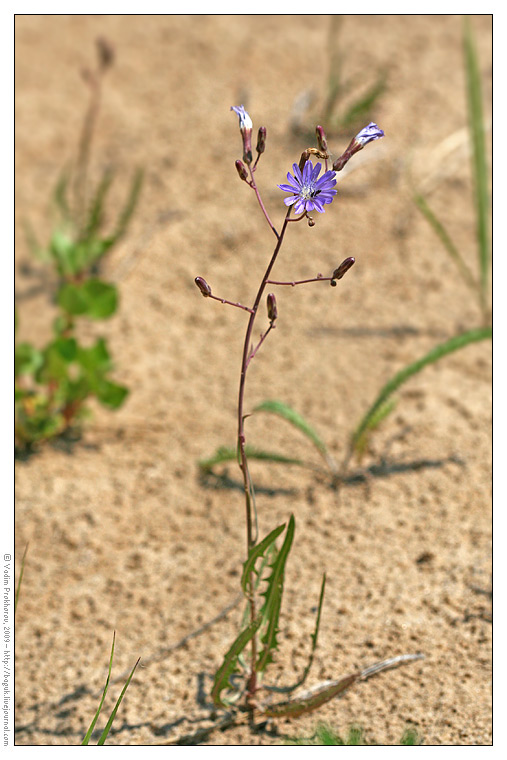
308, 192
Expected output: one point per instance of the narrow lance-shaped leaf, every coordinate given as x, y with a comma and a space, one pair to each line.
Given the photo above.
109, 723
229, 664
286, 412
459, 341
96, 716
95, 213
273, 598
480, 169
18, 587
445, 239
256, 552
227, 454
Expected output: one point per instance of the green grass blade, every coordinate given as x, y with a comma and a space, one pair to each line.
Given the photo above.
130, 206
95, 213
18, 587
258, 551
96, 716
227, 454
314, 638
273, 598
454, 344
228, 666
479, 165
290, 415
315, 633
109, 723
360, 109
445, 239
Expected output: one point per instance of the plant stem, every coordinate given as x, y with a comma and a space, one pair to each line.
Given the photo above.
250, 540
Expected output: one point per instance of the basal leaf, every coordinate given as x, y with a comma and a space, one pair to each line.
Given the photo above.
290, 415
229, 665
229, 454
273, 598
455, 343
256, 552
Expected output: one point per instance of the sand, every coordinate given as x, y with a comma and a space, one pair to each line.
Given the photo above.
124, 534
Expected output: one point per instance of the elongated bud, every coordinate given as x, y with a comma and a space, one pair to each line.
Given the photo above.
365, 136
272, 310
240, 166
203, 286
105, 52
321, 138
245, 126
261, 140
343, 268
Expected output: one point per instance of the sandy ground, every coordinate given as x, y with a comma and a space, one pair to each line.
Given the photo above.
123, 533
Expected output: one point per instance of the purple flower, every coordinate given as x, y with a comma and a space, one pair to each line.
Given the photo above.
369, 133
309, 193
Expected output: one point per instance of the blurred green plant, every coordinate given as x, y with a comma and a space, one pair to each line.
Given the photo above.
479, 283
325, 736
20, 579
109, 723
53, 384
347, 103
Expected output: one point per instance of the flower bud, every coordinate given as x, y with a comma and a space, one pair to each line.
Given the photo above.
105, 52
272, 310
343, 268
261, 140
311, 221
366, 135
321, 138
240, 166
245, 126
203, 286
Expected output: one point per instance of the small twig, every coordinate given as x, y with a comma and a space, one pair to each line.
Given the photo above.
230, 303
319, 278
259, 344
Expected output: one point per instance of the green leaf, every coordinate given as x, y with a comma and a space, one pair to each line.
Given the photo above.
96, 716
57, 357
227, 454
273, 599
479, 162
290, 415
95, 360
72, 299
93, 298
95, 213
102, 299
109, 723
61, 248
454, 344
27, 359
229, 665
360, 109
111, 394
256, 552
444, 237
115, 709
130, 206
18, 587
